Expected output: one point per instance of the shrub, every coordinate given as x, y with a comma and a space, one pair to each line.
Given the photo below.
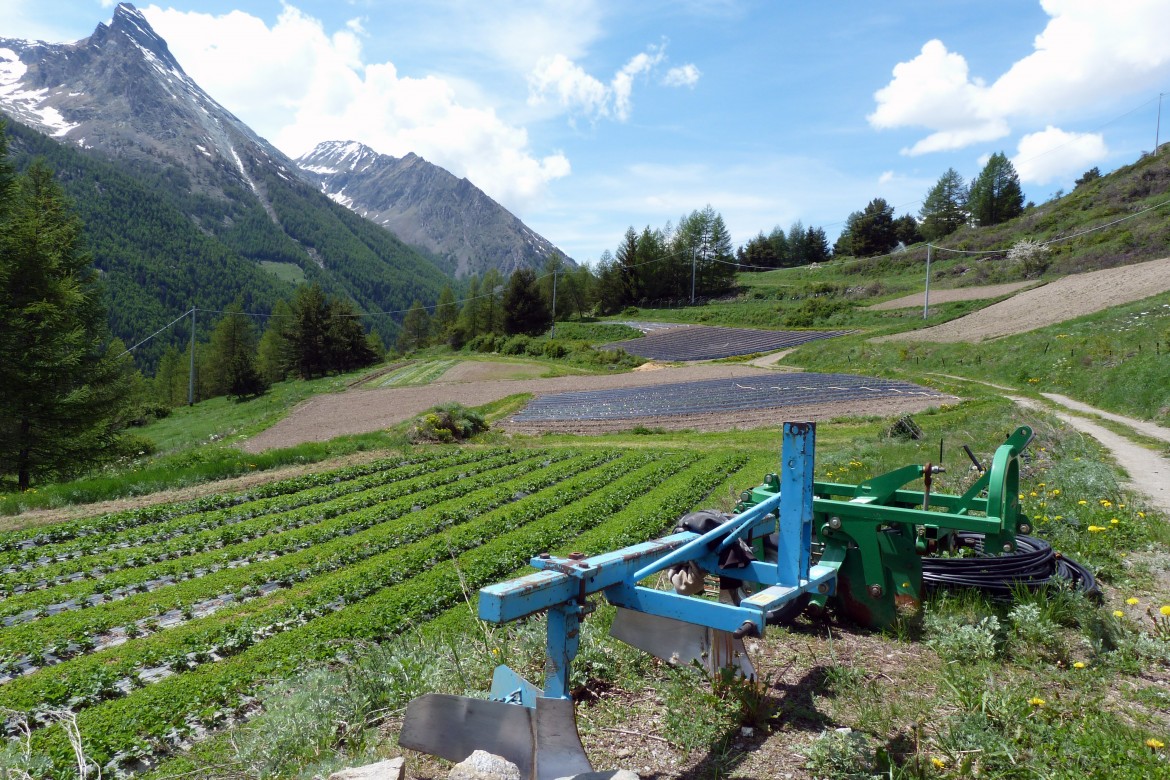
516, 345
446, 423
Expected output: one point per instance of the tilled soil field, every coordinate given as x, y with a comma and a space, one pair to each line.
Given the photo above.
360, 410
1064, 299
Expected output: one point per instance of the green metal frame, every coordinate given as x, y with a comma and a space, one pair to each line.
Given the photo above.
874, 533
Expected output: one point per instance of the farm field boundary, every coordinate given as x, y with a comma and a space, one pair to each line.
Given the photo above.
703, 342
721, 404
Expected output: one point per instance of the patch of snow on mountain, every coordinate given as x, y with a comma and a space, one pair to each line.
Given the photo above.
240, 166
12, 69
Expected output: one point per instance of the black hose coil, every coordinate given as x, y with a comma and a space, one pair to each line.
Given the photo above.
1033, 565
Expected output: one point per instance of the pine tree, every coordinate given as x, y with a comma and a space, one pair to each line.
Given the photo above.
524, 308
309, 345
232, 368
627, 264
274, 355
446, 314
874, 232
346, 343
491, 289
995, 194
471, 319
416, 328
816, 245
944, 209
64, 386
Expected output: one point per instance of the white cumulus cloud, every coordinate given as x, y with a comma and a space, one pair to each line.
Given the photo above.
1089, 53
560, 81
682, 76
1056, 155
297, 85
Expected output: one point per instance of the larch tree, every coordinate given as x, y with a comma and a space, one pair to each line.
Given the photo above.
233, 371
446, 314
995, 195
944, 209
64, 383
416, 328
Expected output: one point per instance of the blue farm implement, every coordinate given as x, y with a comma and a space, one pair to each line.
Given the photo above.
793, 542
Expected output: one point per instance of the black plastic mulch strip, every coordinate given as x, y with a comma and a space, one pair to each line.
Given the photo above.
716, 395
709, 343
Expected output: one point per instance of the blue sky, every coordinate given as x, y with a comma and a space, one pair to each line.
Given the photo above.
586, 117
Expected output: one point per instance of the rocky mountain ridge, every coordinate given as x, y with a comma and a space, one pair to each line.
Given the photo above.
427, 206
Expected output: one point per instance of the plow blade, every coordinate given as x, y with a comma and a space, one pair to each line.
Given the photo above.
682, 643
542, 742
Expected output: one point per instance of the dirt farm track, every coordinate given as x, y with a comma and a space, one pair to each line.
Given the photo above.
361, 409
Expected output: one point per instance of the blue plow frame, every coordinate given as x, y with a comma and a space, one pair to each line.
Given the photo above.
563, 585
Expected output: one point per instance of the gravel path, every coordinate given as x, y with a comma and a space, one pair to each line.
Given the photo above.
1064, 299
1149, 472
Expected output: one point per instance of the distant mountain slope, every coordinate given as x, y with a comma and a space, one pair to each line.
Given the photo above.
427, 206
173, 185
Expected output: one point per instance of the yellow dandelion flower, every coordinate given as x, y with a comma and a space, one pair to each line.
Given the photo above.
1133, 602
1082, 502
1058, 517
1118, 613
1056, 491
939, 763
1096, 529
1042, 484
1106, 503
1155, 744
1036, 701
1141, 515
1079, 665
1114, 521
1033, 494
1021, 496
1164, 610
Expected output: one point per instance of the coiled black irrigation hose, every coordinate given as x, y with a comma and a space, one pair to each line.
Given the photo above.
1034, 565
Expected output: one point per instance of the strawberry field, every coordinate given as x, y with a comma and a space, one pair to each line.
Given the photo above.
152, 626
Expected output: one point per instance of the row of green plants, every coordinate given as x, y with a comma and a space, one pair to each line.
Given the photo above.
156, 523
226, 633
181, 566
320, 549
218, 535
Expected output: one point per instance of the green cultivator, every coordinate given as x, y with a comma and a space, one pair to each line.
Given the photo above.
865, 551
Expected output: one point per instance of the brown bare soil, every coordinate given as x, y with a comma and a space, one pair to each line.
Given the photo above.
1064, 299
952, 295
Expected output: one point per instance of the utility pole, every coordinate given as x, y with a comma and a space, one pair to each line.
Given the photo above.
926, 296
553, 331
191, 367
1158, 126
694, 255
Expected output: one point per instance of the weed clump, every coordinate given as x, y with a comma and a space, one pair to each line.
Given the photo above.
445, 424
